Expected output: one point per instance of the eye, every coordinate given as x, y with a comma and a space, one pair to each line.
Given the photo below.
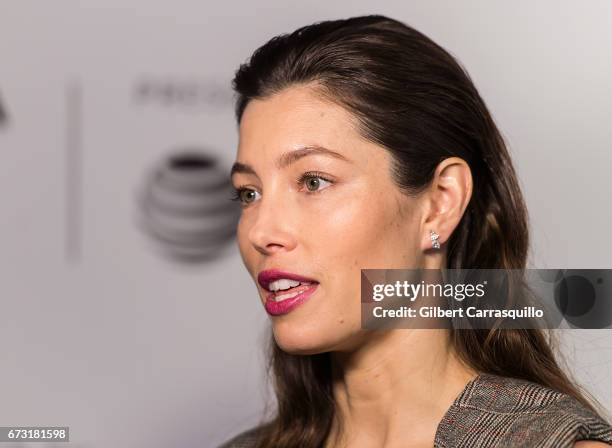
244, 195
312, 180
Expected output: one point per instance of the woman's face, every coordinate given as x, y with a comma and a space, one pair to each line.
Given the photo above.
323, 228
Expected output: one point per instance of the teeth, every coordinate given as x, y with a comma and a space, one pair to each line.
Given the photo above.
283, 284
290, 295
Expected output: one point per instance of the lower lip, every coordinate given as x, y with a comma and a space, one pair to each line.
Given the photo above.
284, 306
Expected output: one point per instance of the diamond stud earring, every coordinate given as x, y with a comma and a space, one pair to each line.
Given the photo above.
434, 239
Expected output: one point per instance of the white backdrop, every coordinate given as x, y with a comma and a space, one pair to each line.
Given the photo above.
98, 330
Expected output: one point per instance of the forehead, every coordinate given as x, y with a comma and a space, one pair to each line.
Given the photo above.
293, 117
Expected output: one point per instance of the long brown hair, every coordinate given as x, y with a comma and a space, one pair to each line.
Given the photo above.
411, 97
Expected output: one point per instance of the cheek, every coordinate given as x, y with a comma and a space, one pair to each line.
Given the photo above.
241, 231
344, 248
351, 232
243, 242
341, 219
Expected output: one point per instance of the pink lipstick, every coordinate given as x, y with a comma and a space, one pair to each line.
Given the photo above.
283, 301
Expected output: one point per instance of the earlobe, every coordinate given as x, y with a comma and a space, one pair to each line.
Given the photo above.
434, 239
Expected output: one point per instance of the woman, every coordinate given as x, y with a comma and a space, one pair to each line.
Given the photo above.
364, 145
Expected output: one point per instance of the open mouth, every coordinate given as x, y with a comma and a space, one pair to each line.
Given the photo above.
290, 293
285, 290
282, 302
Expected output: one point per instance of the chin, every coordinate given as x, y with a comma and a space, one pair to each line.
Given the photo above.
305, 340
298, 340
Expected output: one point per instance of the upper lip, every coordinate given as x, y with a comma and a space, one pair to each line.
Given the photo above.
268, 276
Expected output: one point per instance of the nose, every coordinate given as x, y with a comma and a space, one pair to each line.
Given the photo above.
272, 229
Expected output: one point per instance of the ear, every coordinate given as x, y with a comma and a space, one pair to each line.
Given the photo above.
447, 198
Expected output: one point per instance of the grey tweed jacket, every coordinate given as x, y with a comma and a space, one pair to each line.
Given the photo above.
502, 412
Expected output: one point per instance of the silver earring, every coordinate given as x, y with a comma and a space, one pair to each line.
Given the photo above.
434, 239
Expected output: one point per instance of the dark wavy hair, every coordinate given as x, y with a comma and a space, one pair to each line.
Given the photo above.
414, 99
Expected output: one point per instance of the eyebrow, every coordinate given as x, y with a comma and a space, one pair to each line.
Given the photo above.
288, 158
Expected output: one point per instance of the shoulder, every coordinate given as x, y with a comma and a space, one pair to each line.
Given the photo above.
244, 439
517, 412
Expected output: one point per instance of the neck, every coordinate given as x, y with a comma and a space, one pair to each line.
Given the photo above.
394, 389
